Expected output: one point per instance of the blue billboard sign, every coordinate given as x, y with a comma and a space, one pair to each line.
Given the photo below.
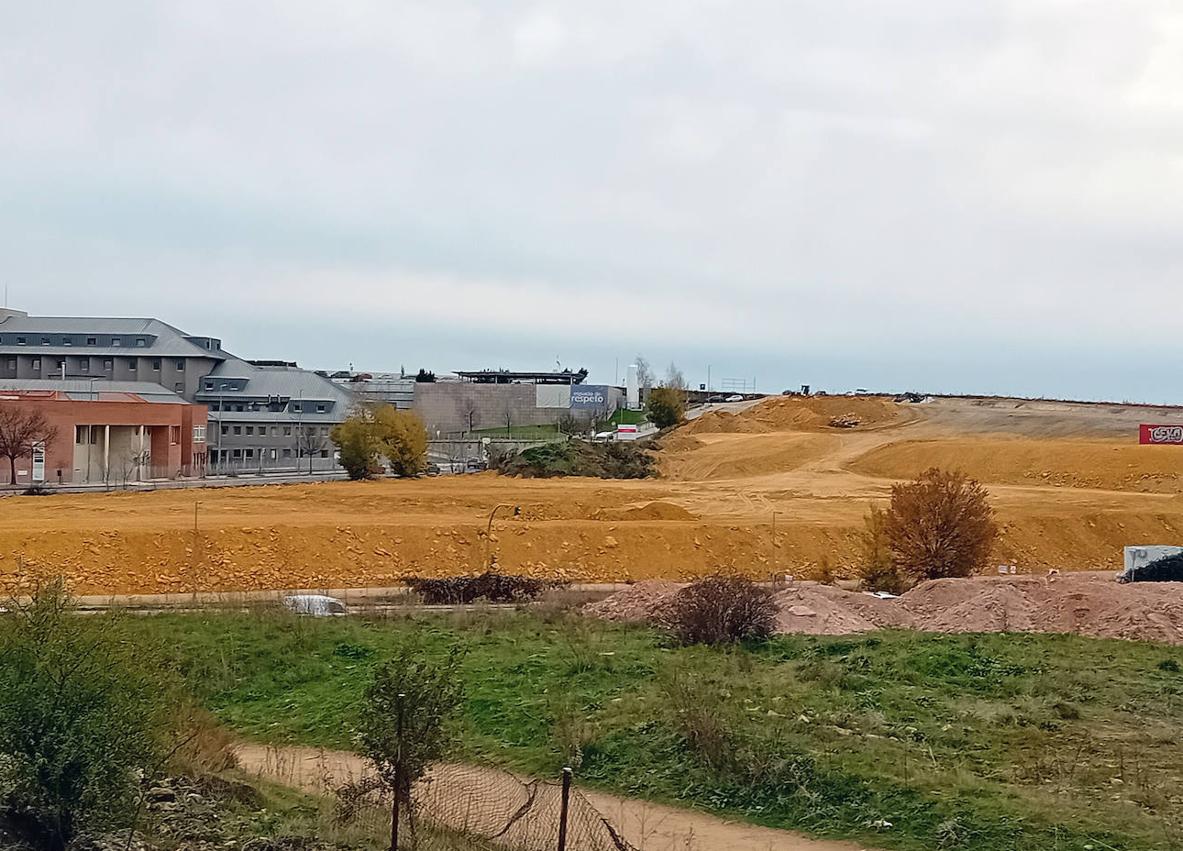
589, 397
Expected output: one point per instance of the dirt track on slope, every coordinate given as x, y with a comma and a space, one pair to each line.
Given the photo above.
646, 826
1069, 483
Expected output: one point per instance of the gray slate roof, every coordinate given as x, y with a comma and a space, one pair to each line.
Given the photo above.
168, 342
283, 381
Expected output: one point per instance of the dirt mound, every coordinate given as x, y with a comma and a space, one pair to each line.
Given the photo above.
650, 511
725, 422
721, 458
795, 413
640, 602
990, 607
1086, 604
680, 441
1100, 464
810, 610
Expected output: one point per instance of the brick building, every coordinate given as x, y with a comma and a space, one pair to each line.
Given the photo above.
109, 431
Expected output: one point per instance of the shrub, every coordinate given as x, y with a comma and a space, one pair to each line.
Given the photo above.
721, 609
494, 587
666, 406
81, 717
579, 458
877, 568
403, 440
373, 431
357, 445
405, 723
940, 525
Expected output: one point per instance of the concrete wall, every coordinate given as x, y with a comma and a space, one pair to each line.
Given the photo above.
443, 405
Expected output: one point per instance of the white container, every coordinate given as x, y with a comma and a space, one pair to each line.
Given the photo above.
1136, 557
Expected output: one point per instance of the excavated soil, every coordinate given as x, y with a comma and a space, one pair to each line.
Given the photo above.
796, 414
769, 490
1084, 603
1099, 464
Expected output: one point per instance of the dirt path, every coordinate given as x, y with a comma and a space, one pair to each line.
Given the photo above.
646, 826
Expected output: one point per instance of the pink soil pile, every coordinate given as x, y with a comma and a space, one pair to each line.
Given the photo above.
640, 602
1087, 604
1084, 603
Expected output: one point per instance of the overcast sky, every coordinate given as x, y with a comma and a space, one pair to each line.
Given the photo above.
956, 195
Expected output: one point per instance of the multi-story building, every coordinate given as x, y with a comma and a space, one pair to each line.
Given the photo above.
263, 415
113, 432
271, 415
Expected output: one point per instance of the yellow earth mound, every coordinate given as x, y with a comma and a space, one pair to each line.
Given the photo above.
1101, 464
737, 456
796, 413
649, 511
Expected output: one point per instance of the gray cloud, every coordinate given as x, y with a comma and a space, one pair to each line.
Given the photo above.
955, 195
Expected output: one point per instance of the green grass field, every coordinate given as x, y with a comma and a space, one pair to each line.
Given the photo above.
975, 742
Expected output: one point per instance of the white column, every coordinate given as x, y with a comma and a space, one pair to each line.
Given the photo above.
106, 451
140, 458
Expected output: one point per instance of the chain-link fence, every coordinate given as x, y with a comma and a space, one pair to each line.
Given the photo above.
464, 806
454, 808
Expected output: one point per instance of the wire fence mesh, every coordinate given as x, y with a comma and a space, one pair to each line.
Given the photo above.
454, 807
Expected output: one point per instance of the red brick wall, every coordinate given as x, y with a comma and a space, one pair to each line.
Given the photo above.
65, 414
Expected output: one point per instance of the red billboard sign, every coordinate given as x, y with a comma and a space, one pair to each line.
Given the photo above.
1155, 435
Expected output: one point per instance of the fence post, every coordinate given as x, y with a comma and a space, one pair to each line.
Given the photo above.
398, 778
564, 808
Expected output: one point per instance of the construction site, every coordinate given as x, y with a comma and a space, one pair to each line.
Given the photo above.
780, 487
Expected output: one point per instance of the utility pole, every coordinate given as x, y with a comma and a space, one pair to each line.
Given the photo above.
564, 807
398, 777
775, 554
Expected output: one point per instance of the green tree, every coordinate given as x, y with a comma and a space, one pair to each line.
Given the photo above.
405, 722
666, 406
82, 716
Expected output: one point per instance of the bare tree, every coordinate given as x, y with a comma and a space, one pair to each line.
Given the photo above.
674, 377
21, 429
471, 412
644, 374
132, 465
310, 441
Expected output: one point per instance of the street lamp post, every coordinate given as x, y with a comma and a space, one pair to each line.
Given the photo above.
517, 510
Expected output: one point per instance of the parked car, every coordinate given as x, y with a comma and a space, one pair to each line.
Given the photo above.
735, 397
315, 605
